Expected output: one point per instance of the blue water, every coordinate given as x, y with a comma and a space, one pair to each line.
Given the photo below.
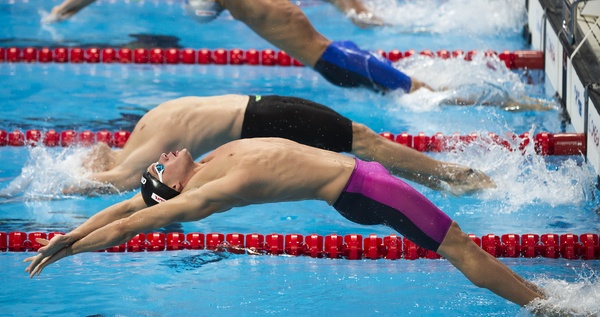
534, 194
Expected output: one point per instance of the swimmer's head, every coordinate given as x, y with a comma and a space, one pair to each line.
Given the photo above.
155, 184
203, 11
154, 191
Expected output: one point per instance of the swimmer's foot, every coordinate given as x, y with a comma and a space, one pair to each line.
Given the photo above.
544, 308
527, 104
468, 181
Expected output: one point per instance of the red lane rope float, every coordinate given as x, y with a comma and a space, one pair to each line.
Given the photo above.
351, 246
544, 143
268, 57
52, 138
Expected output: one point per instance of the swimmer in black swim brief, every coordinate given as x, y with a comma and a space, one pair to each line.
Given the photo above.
201, 124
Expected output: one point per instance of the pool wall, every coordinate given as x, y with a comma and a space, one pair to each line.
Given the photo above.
568, 34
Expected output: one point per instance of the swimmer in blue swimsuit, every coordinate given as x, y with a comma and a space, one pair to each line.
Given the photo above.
284, 25
266, 170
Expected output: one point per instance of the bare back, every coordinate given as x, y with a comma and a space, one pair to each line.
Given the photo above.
263, 170
199, 124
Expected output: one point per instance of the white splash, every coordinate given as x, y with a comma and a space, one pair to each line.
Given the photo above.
446, 16
484, 80
522, 176
578, 298
48, 171
442, 73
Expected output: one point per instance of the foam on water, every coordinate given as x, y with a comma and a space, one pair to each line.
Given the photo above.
49, 170
435, 16
484, 80
575, 298
523, 177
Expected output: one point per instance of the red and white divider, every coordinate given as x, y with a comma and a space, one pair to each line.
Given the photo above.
545, 143
268, 57
351, 246
64, 138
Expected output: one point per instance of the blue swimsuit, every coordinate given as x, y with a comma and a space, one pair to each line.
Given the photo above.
346, 65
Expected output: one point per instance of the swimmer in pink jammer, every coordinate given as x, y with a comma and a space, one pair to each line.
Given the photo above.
201, 124
268, 170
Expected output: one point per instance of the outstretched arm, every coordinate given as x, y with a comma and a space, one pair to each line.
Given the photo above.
189, 206
106, 216
66, 10
508, 103
115, 212
114, 181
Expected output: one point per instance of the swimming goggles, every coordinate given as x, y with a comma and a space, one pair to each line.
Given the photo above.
160, 169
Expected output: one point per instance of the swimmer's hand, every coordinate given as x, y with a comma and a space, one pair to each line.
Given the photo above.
51, 252
468, 182
365, 19
417, 84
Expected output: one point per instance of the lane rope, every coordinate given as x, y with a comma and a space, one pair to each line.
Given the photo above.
521, 59
545, 143
351, 246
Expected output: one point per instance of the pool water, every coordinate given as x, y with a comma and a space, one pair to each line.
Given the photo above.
534, 195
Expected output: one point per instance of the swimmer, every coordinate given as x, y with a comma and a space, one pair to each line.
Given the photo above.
268, 170
508, 104
201, 124
355, 10
487, 94
284, 25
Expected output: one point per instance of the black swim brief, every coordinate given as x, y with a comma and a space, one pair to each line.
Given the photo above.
298, 120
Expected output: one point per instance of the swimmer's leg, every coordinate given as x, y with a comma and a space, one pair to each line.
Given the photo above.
484, 270
415, 166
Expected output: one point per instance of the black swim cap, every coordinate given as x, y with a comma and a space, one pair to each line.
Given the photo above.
154, 192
